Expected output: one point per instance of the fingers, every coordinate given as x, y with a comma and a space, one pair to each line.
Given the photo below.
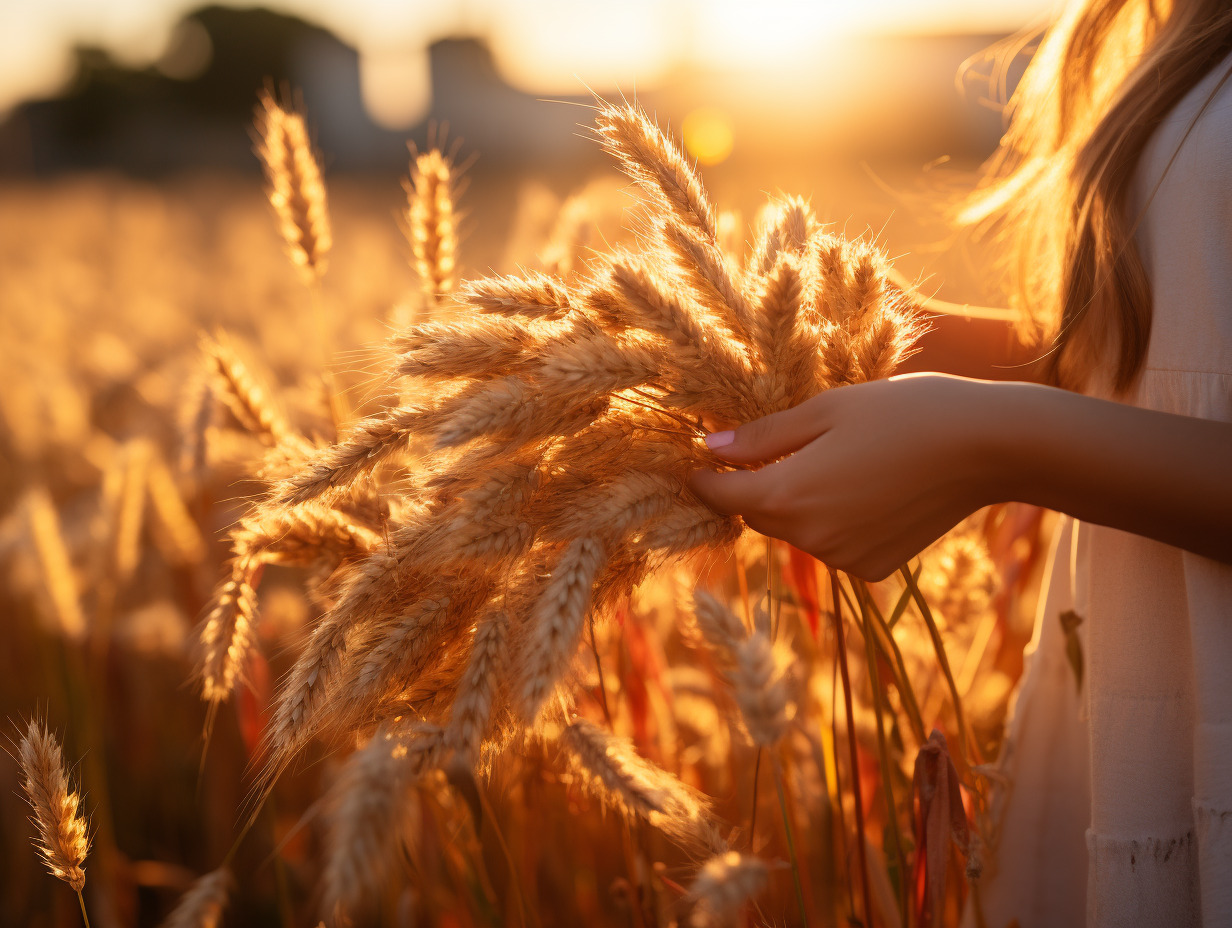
731, 492
741, 492
772, 436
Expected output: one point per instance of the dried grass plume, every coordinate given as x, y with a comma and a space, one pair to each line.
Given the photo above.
62, 831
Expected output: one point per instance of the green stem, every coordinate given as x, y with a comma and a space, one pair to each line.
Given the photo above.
901, 606
594, 647
791, 843
838, 788
285, 908
753, 813
883, 753
889, 647
770, 591
841, 648
515, 878
939, 646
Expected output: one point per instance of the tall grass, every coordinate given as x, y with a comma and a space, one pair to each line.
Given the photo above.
525, 676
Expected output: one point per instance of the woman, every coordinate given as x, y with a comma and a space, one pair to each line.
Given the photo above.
1114, 188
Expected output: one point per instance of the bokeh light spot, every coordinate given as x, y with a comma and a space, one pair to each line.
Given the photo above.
708, 135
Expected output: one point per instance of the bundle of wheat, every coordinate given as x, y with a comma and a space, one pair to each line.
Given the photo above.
540, 471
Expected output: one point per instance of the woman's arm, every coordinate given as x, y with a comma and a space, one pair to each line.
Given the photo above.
871, 474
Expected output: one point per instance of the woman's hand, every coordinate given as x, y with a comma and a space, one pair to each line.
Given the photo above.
870, 474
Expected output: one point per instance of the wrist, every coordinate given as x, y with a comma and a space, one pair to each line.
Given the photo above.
1010, 431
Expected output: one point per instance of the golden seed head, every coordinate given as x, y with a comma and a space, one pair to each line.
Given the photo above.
295, 188
431, 222
62, 832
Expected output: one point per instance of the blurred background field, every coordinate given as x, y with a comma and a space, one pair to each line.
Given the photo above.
133, 218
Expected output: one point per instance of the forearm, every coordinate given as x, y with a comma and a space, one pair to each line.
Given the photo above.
1155, 474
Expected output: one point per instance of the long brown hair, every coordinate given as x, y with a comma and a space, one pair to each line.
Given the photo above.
1104, 77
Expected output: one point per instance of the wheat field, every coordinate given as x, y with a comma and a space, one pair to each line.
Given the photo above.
349, 585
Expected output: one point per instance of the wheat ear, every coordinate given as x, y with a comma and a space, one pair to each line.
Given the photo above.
176, 530
368, 444
243, 393
649, 302
485, 348
533, 295
762, 690
204, 902
788, 229
369, 813
63, 837
719, 626
610, 769
556, 623
226, 634
650, 158
724, 884
296, 190
431, 224
713, 277
303, 535
787, 334
479, 686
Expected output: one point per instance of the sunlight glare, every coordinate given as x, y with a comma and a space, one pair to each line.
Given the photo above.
396, 86
569, 44
707, 133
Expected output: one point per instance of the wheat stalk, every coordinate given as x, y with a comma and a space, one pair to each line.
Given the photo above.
243, 393
540, 471
657, 165
59, 583
722, 887
431, 224
63, 837
608, 768
227, 631
534, 295
296, 190
479, 688
204, 902
368, 813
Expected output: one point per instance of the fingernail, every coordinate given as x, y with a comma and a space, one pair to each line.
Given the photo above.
720, 439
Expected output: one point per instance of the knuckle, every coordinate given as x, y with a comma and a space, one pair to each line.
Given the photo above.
757, 432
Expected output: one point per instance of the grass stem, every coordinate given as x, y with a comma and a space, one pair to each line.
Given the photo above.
753, 813
594, 648
791, 842
841, 648
883, 752
902, 682
515, 878
969, 751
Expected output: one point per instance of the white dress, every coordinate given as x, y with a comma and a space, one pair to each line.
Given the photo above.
1117, 805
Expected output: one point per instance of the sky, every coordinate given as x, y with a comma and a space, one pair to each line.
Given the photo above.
542, 46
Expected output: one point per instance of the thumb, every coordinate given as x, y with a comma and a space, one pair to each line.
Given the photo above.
773, 436
730, 492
